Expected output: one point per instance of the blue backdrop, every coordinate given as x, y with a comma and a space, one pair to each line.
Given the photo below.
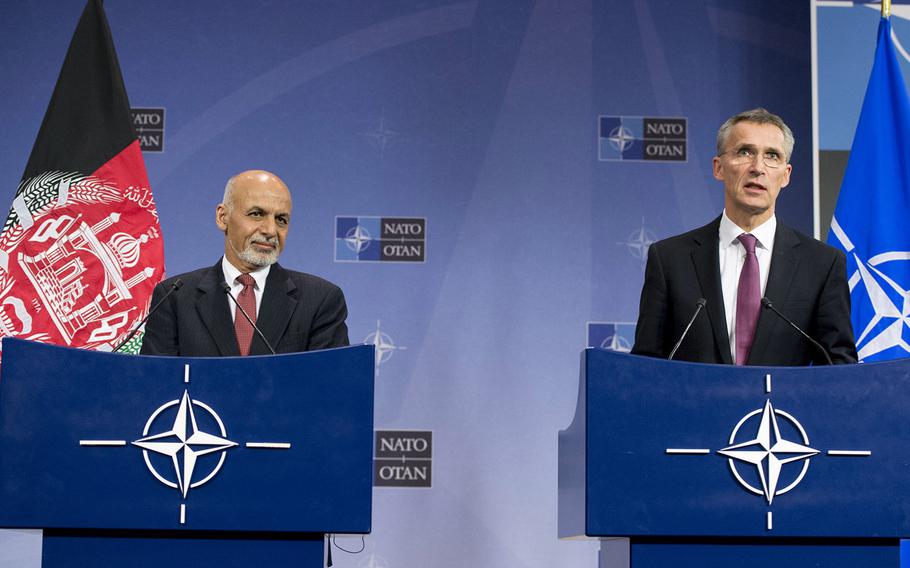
483, 118
846, 46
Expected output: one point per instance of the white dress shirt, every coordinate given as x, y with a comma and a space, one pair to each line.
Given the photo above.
230, 276
733, 256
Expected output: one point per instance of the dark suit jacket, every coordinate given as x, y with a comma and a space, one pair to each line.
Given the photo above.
299, 312
807, 283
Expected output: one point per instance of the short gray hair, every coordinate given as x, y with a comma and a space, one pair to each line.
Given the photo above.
758, 116
228, 199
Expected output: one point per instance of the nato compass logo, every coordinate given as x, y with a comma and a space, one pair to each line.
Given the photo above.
768, 452
184, 443
149, 126
380, 239
384, 345
886, 300
612, 336
381, 135
638, 243
638, 138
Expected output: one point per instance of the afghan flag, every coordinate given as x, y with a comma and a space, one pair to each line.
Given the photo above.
81, 249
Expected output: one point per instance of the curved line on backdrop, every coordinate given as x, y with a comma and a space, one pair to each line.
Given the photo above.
307, 66
691, 205
897, 44
901, 11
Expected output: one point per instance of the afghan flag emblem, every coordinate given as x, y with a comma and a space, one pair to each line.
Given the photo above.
81, 248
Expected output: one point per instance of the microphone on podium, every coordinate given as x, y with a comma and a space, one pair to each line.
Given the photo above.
699, 305
174, 287
226, 288
767, 304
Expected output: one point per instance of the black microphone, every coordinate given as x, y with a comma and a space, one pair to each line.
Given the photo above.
227, 290
767, 303
700, 304
174, 287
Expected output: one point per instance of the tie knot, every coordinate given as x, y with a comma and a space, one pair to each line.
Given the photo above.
246, 280
748, 242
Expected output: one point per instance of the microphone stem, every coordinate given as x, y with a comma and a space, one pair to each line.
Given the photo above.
174, 287
227, 290
701, 304
767, 303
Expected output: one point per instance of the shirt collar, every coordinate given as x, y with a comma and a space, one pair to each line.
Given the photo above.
231, 273
764, 233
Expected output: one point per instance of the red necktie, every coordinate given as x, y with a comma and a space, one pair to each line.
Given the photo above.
748, 300
247, 300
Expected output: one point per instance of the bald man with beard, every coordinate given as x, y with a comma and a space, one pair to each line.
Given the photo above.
295, 311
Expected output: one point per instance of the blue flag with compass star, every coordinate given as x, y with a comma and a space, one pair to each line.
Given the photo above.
870, 221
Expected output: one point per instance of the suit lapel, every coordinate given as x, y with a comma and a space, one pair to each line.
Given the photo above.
784, 262
214, 311
278, 304
707, 269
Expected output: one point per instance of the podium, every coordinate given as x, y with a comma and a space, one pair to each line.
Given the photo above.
685, 464
150, 461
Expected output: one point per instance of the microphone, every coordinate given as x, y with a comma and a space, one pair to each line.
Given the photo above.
174, 287
767, 304
700, 303
226, 288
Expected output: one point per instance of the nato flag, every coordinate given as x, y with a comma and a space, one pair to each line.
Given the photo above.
870, 221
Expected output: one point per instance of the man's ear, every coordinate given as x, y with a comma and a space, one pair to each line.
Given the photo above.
718, 168
221, 217
786, 176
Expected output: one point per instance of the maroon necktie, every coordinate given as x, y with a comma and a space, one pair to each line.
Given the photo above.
247, 300
748, 300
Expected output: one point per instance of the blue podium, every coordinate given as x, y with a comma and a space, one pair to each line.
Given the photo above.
684, 464
151, 461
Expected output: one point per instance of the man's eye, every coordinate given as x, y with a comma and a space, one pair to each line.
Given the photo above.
772, 155
255, 214
744, 152
282, 221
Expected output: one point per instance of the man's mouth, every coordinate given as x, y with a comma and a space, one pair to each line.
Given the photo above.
755, 186
263, 245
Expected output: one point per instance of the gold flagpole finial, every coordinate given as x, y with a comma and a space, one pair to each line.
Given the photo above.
886, 8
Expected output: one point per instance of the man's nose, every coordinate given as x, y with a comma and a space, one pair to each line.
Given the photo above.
269, 227
758, 166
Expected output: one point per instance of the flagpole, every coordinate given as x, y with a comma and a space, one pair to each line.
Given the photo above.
886, 8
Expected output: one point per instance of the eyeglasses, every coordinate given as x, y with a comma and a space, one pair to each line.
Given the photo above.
742, 156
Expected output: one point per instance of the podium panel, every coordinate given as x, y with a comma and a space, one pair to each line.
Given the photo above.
61, 550
718, 462
798, 553
155, 452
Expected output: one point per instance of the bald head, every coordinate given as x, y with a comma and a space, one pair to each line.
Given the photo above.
251, 179
254, 216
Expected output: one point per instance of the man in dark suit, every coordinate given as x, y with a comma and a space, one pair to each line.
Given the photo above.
295, 311
741, 257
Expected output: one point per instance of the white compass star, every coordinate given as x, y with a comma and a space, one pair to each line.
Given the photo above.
383, 343
767, 450
621, 138
381, 135
358, 239
639, 242
892, 335
184, 442
616, 343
